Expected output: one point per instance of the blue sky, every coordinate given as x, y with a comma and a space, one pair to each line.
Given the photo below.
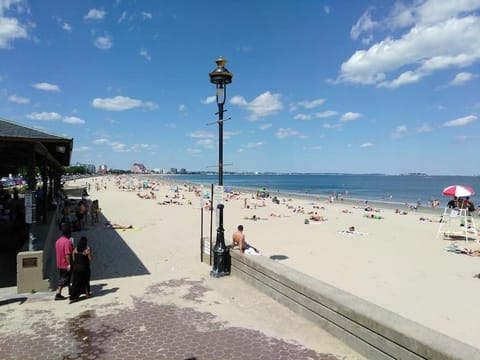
318, 86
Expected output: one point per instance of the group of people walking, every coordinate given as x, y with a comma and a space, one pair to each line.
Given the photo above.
73, 263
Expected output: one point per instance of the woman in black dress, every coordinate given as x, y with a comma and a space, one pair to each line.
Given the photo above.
82, 255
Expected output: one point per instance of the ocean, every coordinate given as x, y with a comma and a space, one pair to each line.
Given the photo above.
397, 189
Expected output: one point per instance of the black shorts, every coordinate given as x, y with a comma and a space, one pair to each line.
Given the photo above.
63, 277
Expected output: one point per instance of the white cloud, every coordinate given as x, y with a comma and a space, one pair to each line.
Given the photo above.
326, 8
95, 14
171, 125
252, 145
121, 103
302, 117
462, 78
424, 128
73, 120
146, 15
10, 28
124, 148
265, 126
144, 53
66, 27
18, 99
442, 35
286, 133
332, 126
265, 104
228, 134
44, 116
364, 24
206, 143
81, 149
103, 42
122, 17
142, 147
350, 116
367, 144
101, 141
400, 132
325, 114
209, 100
307, 104
46, 86
182, 108
202, 134
460, 121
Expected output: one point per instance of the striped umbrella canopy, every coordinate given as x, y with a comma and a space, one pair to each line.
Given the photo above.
458, 191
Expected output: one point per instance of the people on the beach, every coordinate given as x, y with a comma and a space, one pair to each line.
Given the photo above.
118, 226
238, 239
95, 209
81, 258
453, 204
316, 217
63, 250
373, 216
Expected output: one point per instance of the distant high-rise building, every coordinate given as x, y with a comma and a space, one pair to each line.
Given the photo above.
173, 170
102, 169
90, 168
183, 171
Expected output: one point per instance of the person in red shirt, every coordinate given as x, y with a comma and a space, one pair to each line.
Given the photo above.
63, 250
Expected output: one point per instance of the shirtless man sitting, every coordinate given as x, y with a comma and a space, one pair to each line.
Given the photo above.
238, 239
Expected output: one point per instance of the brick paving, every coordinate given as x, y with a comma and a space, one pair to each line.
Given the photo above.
154, 307
147, 330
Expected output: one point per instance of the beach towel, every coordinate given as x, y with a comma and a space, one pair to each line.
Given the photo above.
251, 251
353, 233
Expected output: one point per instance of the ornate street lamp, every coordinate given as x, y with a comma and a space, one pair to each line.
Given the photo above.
220, 77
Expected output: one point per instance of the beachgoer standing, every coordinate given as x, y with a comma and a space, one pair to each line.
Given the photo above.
63, 250
82, 256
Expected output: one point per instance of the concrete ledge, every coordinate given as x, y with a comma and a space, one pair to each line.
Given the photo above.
371, 330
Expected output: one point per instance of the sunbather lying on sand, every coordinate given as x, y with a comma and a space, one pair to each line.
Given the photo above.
316, 217
118, 226
351, 231
373, 216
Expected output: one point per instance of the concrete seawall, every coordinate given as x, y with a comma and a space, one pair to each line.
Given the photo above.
373, 331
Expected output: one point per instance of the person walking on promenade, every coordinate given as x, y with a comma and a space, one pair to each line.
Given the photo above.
82, 256
63, 250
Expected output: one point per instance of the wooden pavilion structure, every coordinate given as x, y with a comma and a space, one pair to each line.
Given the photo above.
37, 150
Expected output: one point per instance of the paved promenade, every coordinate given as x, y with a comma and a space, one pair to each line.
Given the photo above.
153, 299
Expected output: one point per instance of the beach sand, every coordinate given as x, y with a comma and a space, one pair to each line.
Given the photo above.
397, 262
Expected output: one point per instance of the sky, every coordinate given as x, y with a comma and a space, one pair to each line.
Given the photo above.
318, 86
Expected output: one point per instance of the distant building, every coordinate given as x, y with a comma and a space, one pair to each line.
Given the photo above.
138, 168
183, 171
102, 169
90, 168
173, 170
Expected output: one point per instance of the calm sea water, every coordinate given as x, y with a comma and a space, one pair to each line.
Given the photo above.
388, 188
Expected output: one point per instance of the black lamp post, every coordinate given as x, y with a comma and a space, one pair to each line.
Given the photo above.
220, 77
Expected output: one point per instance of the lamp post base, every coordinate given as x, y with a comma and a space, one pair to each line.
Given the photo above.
221, 262
221, 254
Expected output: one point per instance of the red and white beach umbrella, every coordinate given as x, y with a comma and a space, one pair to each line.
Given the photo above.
458, 190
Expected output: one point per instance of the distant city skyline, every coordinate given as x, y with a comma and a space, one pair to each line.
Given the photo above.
318, 87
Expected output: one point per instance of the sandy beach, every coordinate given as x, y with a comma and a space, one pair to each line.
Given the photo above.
396, 262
